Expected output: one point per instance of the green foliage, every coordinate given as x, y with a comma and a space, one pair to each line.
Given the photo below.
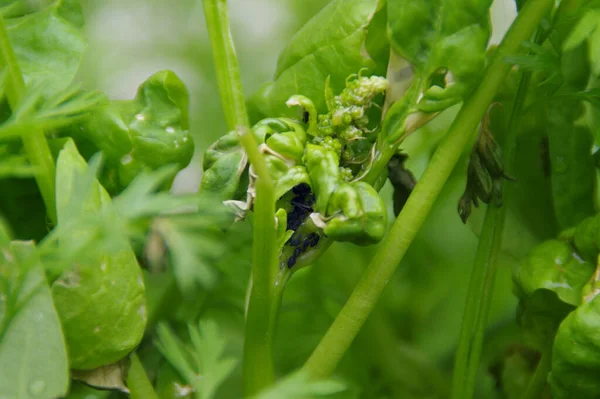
101, 287
575, 359
354, 90
33, 358
202, 366
330, 45
142, 134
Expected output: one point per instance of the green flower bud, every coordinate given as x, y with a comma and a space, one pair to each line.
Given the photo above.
323, 168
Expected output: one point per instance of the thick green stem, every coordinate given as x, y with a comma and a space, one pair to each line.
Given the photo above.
138, 382
538, 380
264, 299
265, 293
336, 341
34, 141
226, 64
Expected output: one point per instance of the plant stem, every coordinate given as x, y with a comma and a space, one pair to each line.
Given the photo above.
483, 275
538, 380
336, 341
138, 382
265, 295
226, 64
472, 317
266, 291
34, 141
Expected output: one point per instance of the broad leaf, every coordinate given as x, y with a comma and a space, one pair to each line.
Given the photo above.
100, 300
142, 134
333, 43
549, 283
555, 267
33, 357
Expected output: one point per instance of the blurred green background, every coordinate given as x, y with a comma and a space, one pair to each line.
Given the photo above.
420, 313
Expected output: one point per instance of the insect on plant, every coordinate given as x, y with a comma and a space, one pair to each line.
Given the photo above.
340, 177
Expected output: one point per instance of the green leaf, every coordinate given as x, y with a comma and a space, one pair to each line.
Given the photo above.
48, 42
333, 43
223, 165
549, 283
142, 134
203, 365
33, 357
100, 300
554, 266
573, 174
438, 56
576, 354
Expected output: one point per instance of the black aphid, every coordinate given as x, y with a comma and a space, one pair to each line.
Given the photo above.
291, 262
305, 116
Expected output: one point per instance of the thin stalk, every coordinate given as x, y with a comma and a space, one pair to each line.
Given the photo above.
138, 382
472, 314
538, 380
226, 64
342, 332
34, 142
483, 275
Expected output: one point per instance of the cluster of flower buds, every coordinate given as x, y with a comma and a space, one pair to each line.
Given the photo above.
484, 174
317, 196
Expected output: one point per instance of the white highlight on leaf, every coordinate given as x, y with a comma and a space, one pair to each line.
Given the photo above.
126, 159
170, 129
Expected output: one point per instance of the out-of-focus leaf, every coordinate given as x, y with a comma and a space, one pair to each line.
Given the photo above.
202, 366
573, 174
33, 356
142, 134
332, 43
530, 215
549, 283
298, 385
519, 366
588, 28
47, 42
555, 267
439, 51
101, 300
576, 354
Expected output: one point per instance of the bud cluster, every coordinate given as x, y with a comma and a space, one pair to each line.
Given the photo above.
484, 174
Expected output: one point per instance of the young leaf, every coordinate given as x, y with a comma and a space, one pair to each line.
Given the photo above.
33, 357
331, 44
100, 301
202, 366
